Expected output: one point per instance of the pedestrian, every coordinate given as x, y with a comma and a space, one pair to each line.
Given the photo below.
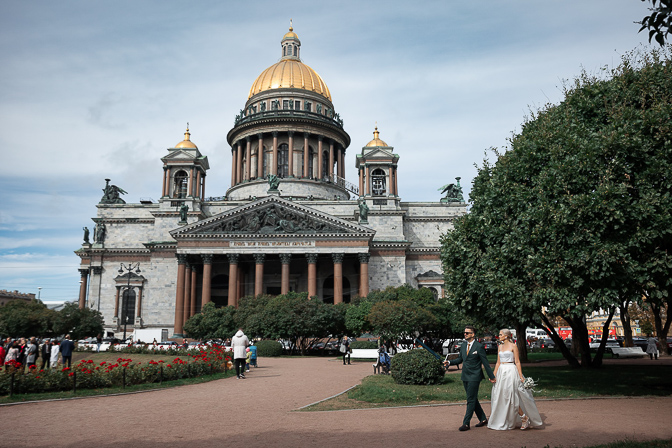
21, 358
3, 353
99, 341
53, 358
345, 349
472, 354
12, 355
239, 343
652, 347
32, 351
248, 357
67, 347
45, 352
253, 356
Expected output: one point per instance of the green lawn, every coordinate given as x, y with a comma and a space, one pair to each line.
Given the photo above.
554, 382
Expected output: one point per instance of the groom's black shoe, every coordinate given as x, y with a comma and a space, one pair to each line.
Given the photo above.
464, 428
483, 423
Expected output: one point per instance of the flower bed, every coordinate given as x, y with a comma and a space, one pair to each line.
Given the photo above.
89, 375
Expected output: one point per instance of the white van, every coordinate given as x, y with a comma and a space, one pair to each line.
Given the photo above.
535, 333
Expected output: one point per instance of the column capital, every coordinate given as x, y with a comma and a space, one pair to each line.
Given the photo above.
248, 139
207, 258
291, 133
306, 135
259, 258
196, 268
187, 264
285, 258
275, 134
97, 269
83, 272
338, 258
364, 258
312, 258
320, 138
260, 136
233, 258
181, 258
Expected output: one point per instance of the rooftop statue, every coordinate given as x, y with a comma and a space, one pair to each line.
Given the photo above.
453, 192
273, 182
111, 194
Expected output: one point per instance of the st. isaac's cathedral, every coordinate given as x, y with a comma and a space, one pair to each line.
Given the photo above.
289, 222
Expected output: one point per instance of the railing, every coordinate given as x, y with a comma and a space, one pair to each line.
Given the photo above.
242, 118
348, 186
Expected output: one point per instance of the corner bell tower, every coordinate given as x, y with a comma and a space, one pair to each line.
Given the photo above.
377, 167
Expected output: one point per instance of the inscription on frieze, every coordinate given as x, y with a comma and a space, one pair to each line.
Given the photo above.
272, 243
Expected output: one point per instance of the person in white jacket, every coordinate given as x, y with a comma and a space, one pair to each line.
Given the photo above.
239, 343
53, 360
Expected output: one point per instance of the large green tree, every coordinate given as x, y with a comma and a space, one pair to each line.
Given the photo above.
19, 318
79, 323
575, 217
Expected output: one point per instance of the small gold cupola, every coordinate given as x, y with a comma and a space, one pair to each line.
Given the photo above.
376, 139
186, 143
291, 45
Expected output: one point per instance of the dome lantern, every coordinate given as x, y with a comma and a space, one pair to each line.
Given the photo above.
186, 143
291, 45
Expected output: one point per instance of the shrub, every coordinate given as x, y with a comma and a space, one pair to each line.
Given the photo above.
364, 344
268, 348
416, 367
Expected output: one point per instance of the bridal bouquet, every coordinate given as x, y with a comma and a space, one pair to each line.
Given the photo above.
530, 384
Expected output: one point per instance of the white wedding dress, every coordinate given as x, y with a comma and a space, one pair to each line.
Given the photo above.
508, 395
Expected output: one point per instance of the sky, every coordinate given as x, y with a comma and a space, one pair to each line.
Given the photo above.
96, 90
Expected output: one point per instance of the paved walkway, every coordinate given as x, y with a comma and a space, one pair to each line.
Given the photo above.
260, 412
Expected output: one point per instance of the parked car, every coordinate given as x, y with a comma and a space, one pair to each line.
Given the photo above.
490, 347
611, 343
545, 343
669, 346
640, 342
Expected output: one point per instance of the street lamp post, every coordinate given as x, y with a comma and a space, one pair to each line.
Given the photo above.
39, 292
128, 268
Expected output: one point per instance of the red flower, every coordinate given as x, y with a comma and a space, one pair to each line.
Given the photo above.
71, 373
65, 369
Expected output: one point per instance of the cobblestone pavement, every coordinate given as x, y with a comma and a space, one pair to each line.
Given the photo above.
261, 411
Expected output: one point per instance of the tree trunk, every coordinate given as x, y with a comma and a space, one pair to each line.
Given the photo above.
521, 342
571, 359
597, 360
580, 338
625, 321
662, 329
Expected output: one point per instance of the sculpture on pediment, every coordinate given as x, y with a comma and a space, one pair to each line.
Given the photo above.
111, 194
319, 108
453, 192
363, 211
86, 235
275, 104
183, 212
262, 106
273, 182
99, 233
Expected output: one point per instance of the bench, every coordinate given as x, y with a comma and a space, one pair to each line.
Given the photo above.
364, 353
627, 352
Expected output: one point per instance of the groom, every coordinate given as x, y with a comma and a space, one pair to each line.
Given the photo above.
472, 354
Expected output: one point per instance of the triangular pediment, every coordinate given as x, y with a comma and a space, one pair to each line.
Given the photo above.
273, 217
181, 154
379, 152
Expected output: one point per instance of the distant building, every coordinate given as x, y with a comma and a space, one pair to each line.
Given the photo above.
289, 221
8, 296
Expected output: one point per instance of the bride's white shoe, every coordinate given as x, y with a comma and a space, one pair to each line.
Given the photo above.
526, 422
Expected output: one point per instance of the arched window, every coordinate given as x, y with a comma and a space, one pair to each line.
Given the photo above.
181, 182
311, 155
284, 51
283, 160
378, 182
325, 165
294, 49
128, 307
265, 161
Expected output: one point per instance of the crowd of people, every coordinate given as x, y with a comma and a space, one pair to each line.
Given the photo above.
29, 353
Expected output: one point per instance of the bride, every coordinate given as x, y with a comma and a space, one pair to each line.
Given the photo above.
511, 403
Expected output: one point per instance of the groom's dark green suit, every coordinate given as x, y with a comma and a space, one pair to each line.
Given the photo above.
472, 375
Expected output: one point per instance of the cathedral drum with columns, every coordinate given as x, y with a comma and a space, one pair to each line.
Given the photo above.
289, 222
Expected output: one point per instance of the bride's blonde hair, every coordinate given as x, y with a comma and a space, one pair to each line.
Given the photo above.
507, 333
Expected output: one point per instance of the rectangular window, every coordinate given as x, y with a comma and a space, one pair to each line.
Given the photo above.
297, 105
285, 104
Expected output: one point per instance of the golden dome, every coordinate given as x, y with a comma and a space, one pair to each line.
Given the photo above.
290, 35
186, 143
290, 74
376, 140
